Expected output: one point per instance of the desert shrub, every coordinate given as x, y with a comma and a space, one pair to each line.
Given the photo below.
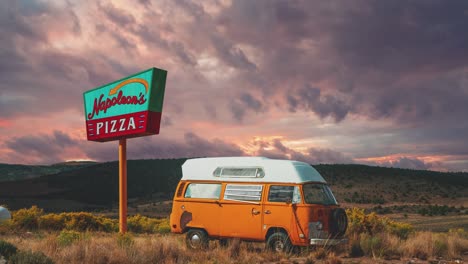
34, 218
66, 237
402, 230
108, 225
27, 219
80, 221
143, 224
359, 222
380, 245
164, 228
7, 249
26, 257
459, 231
52, 222
372, 245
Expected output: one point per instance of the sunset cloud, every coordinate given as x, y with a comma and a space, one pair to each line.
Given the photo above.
336, 82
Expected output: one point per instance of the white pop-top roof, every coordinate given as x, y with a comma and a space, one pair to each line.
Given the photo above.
286, 171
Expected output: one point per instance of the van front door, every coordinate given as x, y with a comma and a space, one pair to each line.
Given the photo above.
277, 208
241, 212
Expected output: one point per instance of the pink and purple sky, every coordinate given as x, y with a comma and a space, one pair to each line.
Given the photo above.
373, 82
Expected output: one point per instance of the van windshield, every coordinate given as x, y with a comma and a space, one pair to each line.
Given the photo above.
316, 193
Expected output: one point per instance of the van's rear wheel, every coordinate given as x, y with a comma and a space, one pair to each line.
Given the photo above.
196, 239
279, 242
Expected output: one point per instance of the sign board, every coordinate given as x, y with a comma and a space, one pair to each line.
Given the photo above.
130, 107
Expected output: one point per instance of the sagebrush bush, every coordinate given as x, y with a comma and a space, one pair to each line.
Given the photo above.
26, 257
52, 222
143, 224
66, 238
27, 219
372, 245
7, 249
359, 222
164, 227
34, 218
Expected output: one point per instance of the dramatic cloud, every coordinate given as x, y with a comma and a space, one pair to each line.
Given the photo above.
310, 99
334, 82
147, 148
47, 148
277, 150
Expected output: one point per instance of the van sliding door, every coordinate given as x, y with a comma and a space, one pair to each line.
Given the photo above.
241, 212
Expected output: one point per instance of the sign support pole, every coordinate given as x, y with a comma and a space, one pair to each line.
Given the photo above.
123, 186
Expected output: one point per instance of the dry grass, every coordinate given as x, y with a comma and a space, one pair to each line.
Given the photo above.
101, 248
424, 245
97, 247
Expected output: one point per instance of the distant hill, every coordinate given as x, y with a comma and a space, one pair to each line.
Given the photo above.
14, 172
93, 186
96, 185
380, 185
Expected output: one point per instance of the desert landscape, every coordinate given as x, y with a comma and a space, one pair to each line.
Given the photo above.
70, 216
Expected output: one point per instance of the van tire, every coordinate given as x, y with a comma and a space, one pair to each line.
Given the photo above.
196, 239
279, 242
339, 222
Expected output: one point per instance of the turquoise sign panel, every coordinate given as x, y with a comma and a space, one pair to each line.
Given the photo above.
128, 107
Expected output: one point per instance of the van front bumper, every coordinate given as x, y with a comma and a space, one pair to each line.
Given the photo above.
327, 242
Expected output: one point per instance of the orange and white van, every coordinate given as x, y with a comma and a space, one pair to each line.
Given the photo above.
282, 202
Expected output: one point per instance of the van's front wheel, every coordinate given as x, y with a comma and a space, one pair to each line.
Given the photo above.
196, 239
279, 242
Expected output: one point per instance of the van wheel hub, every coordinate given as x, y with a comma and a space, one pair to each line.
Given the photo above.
279, 242
197, 239
278, 246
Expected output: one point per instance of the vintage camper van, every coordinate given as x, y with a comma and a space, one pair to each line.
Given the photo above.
282, 202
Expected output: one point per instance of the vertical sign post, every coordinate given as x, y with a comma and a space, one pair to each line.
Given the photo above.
123, 185
127, 108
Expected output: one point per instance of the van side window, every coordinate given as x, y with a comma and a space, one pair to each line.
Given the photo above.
240, 192
203, 190
281, 193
